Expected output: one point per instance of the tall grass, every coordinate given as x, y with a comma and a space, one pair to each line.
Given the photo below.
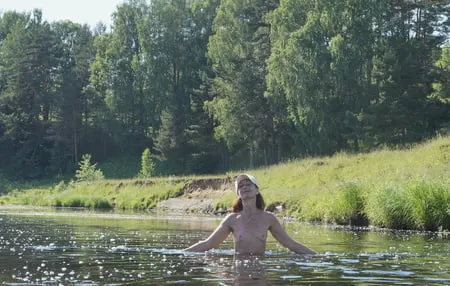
418, 205
430, 204
387, 207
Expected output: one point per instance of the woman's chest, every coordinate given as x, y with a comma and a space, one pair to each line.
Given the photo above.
250, 229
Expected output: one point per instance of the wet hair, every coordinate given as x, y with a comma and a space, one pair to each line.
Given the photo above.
237, 204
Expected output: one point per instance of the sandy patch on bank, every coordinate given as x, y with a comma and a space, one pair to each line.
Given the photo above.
199, 196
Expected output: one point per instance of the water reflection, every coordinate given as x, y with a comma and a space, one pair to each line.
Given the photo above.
249, 271
92, 249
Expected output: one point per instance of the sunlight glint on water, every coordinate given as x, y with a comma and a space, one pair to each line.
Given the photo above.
92, 248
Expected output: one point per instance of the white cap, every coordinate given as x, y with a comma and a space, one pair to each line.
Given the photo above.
242, 177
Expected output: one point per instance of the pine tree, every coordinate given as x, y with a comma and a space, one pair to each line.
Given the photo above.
88, 172
238, 51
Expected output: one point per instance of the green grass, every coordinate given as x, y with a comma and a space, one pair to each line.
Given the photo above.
405, 189
123, 194
422, 205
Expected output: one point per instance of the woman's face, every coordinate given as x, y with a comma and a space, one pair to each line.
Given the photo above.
246, 189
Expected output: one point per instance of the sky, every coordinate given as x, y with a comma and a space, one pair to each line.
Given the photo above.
79, 11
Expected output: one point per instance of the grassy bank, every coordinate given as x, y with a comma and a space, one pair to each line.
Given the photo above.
105, 194
407, 189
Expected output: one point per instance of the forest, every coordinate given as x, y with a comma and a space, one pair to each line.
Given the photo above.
215, 85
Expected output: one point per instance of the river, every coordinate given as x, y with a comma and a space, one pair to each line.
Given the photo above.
66, 247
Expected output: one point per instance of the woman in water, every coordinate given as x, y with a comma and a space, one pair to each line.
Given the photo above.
249, 224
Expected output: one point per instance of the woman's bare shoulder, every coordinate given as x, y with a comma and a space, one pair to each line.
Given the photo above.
269, 216
231, 215
229, 219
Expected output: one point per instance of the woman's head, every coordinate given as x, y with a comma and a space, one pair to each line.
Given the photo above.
245, 179
246, 186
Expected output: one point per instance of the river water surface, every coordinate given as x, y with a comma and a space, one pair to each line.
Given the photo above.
49, 247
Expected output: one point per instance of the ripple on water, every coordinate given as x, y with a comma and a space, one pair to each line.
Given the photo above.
349, 261
435, 279
290, 277
206, 279
375, 279
387, 272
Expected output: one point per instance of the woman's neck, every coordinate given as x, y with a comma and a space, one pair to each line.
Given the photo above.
249, 206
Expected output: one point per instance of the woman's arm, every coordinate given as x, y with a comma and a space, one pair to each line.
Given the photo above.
219, 235
281, 235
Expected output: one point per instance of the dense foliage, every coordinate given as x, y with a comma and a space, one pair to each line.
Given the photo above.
211, 85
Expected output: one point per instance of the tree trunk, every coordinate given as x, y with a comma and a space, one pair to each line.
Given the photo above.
251, 158
75, 141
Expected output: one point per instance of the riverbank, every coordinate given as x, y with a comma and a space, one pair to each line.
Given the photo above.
400, 189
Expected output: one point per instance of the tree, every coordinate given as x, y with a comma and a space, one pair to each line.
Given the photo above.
126, 98
147, 164
69, 133
175, 44
299, 72
87, 171
442, 86
238, 51
441, 93
402, 110
26, 99
354, 72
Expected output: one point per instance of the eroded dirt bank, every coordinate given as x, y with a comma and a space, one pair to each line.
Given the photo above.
199, 196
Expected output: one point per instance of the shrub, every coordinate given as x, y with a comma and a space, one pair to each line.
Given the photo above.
60, 187
95, 202
147, 164
88, 171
